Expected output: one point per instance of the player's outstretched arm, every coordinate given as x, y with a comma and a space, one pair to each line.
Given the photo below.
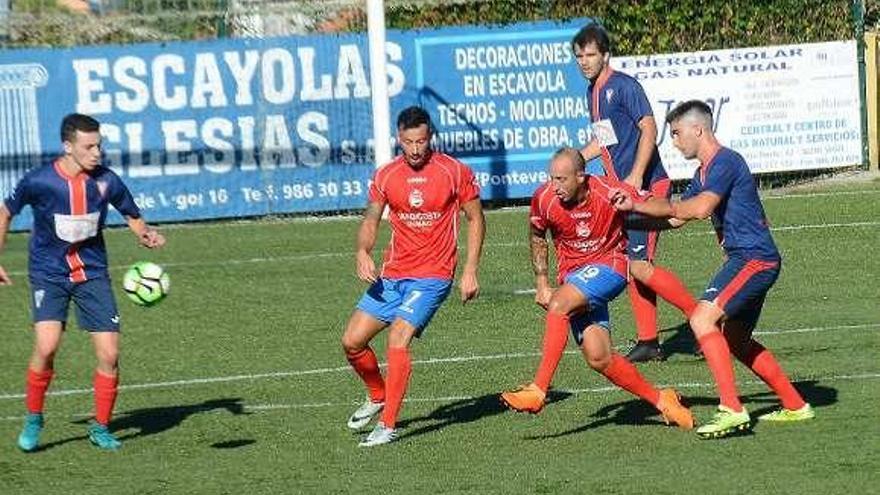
699, 207
147, 236
469, 284
366, 239
5, 218
540, 256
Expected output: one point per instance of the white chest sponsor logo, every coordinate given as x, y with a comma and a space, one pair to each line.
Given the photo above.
583, 229
416, 198
76, 228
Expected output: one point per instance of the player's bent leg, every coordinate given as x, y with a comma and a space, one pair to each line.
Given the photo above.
361, 329
530, 398
400, 335
763, 364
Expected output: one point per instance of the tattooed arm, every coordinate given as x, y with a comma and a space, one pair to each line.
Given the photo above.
366, 239
540, 254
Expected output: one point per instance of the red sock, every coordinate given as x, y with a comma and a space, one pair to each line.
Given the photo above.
399, 369
717, 355
762, 363
555, 338
367, 367
106, 387
644, 306
623, 374
669, 287
36, 384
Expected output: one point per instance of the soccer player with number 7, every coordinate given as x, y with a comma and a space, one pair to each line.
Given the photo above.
425, 191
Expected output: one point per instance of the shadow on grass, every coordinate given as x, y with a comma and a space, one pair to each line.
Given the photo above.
465, 411
639, 412
154, 420
682, 341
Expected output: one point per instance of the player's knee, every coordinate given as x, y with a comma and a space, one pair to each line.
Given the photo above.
45, 352
701, 323
641, 269
598, 362
560, 306
108, 358
351, 344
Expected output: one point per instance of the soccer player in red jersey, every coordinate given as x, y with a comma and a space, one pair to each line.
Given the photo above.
723, 188
67, 260
424, 190
592, 266
625, 137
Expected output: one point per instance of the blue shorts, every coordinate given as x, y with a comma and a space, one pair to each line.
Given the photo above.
95, 305
600, 284
641, 245
414, 300
740, 286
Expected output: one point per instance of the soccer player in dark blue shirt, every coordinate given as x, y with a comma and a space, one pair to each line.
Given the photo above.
625, 137
723, 188
67, 261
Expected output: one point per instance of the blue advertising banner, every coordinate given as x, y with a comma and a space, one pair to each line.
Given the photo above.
239, 127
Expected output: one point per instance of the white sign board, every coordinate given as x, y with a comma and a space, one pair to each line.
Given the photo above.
784, 108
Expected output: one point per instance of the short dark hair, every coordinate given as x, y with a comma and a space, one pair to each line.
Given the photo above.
592, 33
700, 108
77, 122
412, 117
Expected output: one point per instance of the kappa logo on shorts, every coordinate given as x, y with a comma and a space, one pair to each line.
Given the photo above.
38, 297
638, 249
115, 319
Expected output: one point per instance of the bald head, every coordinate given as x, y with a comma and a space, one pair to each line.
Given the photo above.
570, 158
567, 175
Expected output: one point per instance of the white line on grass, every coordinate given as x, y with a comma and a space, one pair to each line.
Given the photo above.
452, 398
338, 369
345, 254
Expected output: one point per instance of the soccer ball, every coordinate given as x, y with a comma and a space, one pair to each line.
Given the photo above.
146, 283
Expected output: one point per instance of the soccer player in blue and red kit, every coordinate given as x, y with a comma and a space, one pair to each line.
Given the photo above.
625, 137
424, 190
67, 261
590, 252
723, 322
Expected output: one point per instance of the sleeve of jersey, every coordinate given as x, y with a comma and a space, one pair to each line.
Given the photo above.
536, 214
121, 198
376, 195
19, 198
693, 188
468, 188
637, 103
720, 178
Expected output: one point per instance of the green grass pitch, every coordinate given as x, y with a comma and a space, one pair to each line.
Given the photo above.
236, 383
